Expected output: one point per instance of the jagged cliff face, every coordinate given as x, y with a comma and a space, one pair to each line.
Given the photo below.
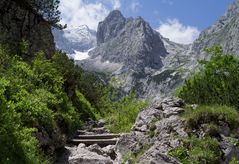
224, 32
131, 42
18, 23
136, 56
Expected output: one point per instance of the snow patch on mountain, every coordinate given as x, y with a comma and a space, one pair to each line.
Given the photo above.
78, 55
75, 40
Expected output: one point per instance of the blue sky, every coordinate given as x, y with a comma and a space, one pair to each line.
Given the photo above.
179, 20
199, 13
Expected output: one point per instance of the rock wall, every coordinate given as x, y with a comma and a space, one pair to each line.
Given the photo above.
17, 22
161, 128
224, 32
131, 42
156, 128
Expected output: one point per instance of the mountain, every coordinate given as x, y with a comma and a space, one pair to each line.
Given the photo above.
136, 57
75, 39
224, 32
131, 42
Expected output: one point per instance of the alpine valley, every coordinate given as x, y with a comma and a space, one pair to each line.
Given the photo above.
121, 94
136, 57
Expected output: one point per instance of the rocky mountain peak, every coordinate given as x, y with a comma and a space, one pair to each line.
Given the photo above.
233, 9
224, 32
109, 28
114, 15
75, 38
128, 41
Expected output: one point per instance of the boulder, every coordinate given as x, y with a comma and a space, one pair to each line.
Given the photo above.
145, 118
101, 123
95, 148
87, 157
164, 116
110, 151
229, 148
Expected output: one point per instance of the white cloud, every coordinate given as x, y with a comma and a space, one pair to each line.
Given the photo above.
178, 32
135, 6
79, 12
115, 4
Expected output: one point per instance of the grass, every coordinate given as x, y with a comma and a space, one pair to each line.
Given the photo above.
205, 150
234, 161
133, 158
124, 115
211, 115
198, 150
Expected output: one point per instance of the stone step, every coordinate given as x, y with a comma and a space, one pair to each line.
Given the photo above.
99, 130
98, 136
81, 131
100, 142
93, 130
84, 132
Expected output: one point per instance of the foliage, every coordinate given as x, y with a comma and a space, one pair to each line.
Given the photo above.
48, 9
234, 161
134, 157
216, 83
17, 144
194, 150
32, 98
96, 93
124, 114
211, 115
53, 95
215, 88
87, 86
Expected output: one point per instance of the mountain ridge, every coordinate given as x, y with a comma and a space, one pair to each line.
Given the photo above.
75, 38
134, 56
137, 57
224, 32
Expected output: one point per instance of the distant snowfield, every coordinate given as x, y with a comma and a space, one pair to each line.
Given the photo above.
80, 55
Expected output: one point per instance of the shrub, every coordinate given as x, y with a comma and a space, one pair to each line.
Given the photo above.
34, 96
16, 141
211, 114
124, 114
195, 150
216, 83
234, 161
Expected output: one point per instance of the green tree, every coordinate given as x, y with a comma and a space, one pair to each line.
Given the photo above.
48, 10
216, 83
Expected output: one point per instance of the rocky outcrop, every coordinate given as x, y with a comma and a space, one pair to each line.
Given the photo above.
18, 23
131, 42
160, 129
224, 32
110, 27
136, 56
89, 155
155, 128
